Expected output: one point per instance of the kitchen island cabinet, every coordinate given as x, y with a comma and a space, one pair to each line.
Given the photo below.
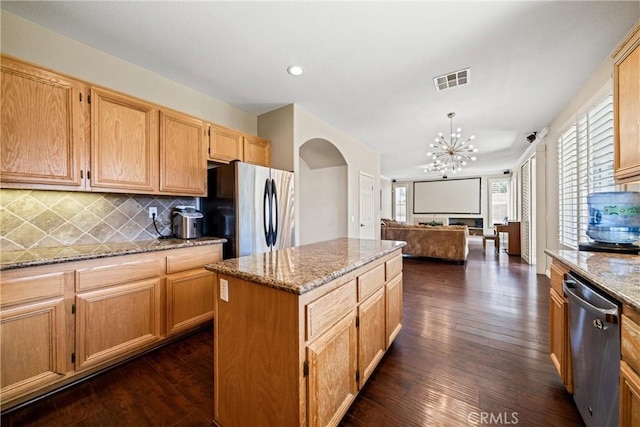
298, 331
65, 317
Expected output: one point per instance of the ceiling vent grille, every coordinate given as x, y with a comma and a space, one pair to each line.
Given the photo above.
457, 78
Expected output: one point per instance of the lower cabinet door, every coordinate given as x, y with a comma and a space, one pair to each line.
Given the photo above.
116, 320
189, 299
33, 351
629, 396
372, 340
394, 308
332, 385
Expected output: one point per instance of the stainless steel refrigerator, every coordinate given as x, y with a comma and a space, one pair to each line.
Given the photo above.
251, 206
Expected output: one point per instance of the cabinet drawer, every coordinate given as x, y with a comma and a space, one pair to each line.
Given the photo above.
327, 310
630, 342
558, 272
393, 267
30, 288
118, 271
192, 259
370, 281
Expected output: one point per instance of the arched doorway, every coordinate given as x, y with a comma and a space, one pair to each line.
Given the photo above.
322, 191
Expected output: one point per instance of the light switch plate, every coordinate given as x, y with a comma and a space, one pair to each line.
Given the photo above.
224, 290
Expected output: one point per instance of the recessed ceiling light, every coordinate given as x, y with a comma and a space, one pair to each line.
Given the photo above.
295, 70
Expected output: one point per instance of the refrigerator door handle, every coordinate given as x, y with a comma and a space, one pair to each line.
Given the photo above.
266, 200
274, 193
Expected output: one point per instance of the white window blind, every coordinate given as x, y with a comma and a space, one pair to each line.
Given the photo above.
585, 166
499, 199
400, 204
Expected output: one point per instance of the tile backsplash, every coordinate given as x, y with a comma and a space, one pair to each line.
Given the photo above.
38, 219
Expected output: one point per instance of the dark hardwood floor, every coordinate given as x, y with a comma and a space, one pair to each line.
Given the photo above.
473, 351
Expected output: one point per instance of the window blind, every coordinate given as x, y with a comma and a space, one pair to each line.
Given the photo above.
585, 166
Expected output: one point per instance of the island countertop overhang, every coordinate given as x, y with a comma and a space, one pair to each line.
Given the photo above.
300, 269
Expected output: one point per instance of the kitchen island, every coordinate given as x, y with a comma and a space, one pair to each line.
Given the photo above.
298, 331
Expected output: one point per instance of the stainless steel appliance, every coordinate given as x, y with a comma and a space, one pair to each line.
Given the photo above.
186, 222
251, 206
594, 324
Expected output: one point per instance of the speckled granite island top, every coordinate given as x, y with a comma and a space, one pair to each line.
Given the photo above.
302, 268
44, 256
617, 275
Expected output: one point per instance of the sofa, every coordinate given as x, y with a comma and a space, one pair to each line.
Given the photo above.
448, 242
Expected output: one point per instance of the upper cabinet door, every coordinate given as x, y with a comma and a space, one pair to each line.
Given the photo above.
626, 72
225, 144
42, 134
257, 151
183, 160
124, 143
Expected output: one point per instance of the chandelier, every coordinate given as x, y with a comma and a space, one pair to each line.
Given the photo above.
451, 154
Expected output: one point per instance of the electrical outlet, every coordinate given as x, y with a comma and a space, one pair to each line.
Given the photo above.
153, 211
224, 290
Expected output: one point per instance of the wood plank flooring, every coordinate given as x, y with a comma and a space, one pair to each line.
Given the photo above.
473, 351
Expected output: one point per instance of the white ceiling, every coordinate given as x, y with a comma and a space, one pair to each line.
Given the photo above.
369, 66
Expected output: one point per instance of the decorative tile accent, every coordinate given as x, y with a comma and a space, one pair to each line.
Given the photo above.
33, 219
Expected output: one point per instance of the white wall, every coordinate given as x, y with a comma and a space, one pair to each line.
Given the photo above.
275, 126
33, 43
484, 204
323, 203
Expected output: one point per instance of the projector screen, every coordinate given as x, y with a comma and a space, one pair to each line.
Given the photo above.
454, 196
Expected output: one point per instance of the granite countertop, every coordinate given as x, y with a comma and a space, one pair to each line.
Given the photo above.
616, 274
44, 256
302, 268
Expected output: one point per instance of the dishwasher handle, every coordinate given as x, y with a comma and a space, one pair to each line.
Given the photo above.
610, 315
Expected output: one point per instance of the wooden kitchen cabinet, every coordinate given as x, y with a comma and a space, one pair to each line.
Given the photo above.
225, 145
626, 107
257, 151
183, 158
629, 396
630, 368
372, 339
559, 335
332, 360
124, 143
190, 288
35, 313
42, 140
117, 307
61, 322
308, 354
393, 298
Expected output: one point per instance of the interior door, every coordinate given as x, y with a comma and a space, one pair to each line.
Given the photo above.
366, 206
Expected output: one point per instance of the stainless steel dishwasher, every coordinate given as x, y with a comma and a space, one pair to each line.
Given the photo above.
594, 323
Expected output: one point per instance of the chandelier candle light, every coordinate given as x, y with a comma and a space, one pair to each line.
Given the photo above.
453, 153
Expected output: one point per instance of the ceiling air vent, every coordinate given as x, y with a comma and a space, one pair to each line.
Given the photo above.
457, 78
